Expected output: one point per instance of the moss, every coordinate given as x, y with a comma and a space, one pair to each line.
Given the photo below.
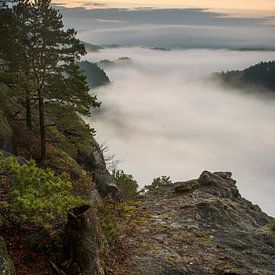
171, 258
248, 251
228, 268
120, 218
272, 226
71, 134
61, 162
6, 264
208, 239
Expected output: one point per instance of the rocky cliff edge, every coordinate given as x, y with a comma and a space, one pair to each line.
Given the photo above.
201, 226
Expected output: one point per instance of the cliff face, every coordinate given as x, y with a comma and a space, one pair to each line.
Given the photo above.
201, 226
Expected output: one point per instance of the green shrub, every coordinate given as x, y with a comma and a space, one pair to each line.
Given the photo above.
126, 183
36, 194
272, 226
108, 215
109, 228
157, 182
119, 218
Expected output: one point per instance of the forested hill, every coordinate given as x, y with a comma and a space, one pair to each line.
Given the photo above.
95, 76
260, 75
91, 47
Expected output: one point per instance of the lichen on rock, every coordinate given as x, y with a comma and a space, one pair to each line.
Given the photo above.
202, 226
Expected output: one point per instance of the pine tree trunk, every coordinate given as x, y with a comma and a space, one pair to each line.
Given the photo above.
43, 149
28, 101
28, 111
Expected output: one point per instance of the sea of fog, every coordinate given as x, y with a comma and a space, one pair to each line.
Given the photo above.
162, 116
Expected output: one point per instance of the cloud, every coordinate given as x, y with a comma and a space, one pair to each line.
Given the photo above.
162, 116
184, 36
182, 28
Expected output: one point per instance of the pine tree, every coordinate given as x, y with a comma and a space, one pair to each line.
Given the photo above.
38, 58
52, 53
14, 69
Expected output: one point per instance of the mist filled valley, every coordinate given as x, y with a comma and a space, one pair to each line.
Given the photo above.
137, 138
164, 115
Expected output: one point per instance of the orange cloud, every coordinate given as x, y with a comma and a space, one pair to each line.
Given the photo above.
255, 8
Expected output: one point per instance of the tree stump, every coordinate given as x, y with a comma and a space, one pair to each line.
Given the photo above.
86, 240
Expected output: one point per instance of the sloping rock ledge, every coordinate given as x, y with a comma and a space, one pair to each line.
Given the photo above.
201, 226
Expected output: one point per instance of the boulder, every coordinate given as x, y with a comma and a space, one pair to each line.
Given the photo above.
6, 264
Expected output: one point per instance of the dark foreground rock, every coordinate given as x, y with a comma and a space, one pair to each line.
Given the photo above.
95, 163
6, 264
86, 241
201, 226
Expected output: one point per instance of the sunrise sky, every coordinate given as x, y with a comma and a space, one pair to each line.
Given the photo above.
255, 8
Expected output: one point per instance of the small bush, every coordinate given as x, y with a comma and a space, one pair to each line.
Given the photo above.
118, 218
109, 228
108, 220
272, 226
35, 194
157, 182
126, 183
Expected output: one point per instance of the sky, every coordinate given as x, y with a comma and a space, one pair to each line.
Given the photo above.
236, 24
170, 28
233, 7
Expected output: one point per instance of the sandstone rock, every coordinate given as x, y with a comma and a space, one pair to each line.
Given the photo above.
6, 264
95, 163
186, 187
208, 225
166, 263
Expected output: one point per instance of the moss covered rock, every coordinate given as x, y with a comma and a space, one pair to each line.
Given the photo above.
6, 264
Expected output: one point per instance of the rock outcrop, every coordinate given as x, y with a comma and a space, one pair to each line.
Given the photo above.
201, 226
96, 164
6, 264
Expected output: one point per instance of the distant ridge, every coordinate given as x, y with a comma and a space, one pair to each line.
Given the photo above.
91, 47
261, 75
96, 76
106, 63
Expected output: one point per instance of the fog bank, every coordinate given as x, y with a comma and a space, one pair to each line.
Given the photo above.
172, 28
161, 116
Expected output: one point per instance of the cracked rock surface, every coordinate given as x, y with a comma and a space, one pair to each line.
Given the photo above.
202, 226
